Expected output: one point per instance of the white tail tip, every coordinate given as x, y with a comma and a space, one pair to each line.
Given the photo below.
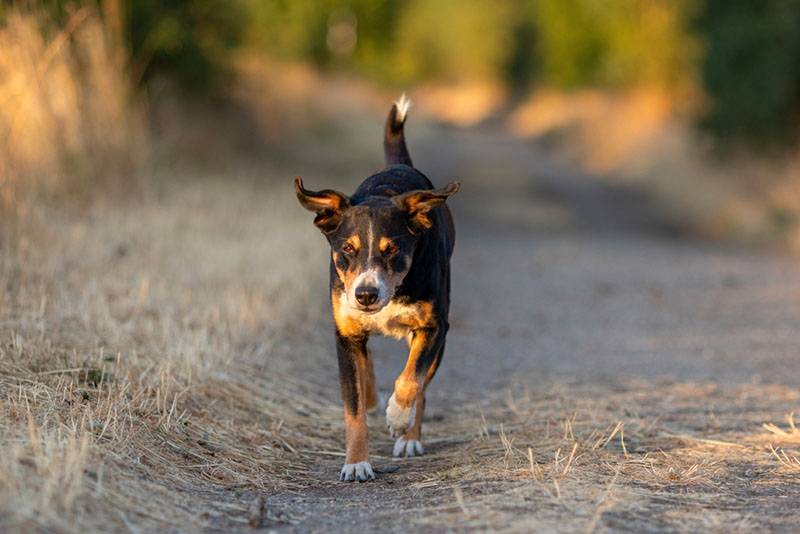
402, 107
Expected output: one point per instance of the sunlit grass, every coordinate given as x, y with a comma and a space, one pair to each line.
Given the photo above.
68, 121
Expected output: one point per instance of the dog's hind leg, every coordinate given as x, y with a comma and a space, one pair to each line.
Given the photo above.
352, 353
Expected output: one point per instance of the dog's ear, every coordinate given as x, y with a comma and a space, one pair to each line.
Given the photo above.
329, 205
420, 202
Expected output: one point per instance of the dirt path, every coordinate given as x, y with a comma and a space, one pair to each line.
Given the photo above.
601, 374
576, 299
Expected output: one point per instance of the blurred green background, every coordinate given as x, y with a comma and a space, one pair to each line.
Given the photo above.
744, 54
694, 101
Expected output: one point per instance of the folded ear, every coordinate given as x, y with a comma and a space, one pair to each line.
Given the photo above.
329, 205
420, 202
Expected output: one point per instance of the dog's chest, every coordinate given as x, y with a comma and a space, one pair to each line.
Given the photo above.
396, 319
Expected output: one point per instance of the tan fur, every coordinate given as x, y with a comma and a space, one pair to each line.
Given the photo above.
347, 277
355, 241
407, 387
415, 431
384, 243
395, 319
346, 325
357, 445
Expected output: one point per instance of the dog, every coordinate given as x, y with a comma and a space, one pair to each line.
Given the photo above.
391, 243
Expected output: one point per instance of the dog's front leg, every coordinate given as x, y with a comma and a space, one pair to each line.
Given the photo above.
352, 352
409, 388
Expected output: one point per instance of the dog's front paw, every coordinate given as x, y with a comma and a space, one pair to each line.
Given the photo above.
408, 448
361, 471
398, 419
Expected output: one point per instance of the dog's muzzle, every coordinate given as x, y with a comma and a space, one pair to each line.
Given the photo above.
367, 296
370, 292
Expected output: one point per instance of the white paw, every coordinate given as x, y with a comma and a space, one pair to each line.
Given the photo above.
361, 472
398, 419
408, 448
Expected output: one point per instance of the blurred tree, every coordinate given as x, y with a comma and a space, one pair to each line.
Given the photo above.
521, 67
449, 40
189, 39
356, 35
752, 70
616, 43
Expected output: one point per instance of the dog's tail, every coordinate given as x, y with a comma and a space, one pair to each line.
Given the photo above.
394, 139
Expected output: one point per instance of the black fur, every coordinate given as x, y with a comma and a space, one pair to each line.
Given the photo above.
349, 348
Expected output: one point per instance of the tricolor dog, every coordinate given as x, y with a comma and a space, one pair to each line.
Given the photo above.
391, 243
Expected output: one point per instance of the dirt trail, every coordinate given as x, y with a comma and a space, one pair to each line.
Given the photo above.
562, 284
601, 373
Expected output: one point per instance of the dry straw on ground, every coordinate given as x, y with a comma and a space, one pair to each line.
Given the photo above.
138, 394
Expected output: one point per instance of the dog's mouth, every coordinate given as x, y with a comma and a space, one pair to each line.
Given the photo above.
369, 310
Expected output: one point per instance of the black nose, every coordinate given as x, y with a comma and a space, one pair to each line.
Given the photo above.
367, 295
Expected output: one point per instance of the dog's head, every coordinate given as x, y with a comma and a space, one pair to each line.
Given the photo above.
372, 243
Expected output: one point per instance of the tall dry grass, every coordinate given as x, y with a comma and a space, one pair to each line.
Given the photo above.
67, 114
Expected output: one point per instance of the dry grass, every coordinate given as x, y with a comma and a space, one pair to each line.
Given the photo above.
115, 364
156, 373
66, 113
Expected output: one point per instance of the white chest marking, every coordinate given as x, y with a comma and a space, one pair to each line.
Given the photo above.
393, 320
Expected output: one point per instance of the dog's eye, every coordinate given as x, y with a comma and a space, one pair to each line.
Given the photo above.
348, 249
391, 250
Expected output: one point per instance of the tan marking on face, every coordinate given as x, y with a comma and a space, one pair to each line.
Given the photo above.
335, 258
384, 243
355, 241
347, 277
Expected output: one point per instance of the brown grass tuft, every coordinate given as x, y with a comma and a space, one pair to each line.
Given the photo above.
67, 118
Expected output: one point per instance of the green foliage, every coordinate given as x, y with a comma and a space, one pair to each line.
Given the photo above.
565, 43
746, 53
452, 40
752, 70
189, 39
521, 67
355, 35
615, 43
